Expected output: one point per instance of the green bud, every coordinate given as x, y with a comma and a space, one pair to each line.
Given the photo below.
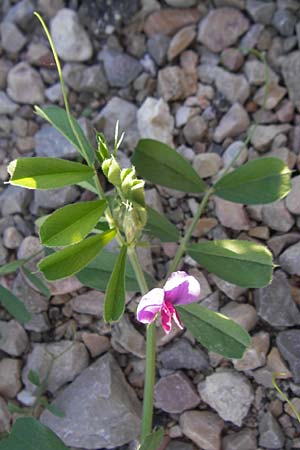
112, 171
102, 146
137, 193
134, 221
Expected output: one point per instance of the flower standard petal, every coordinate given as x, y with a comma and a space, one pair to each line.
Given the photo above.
181, 288
150, 304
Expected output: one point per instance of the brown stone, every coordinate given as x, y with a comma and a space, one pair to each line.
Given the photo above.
10, 377
169, 20
182, 39
203, 428
232, 59
231, 215
275, 363
95, 344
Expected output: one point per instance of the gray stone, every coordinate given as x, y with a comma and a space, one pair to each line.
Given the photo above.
14, 200
263, 135
242, 440
292, 200
256, 73
158, 45
25, 84
55, 198
229, 393
231, 215
195, 129
179, 445
221, 28
175, 394
284, 21
71, 41
233, 123
21, 13
232, 152
290, 66
85, 79
255, 355
235, 88
5, 66
3, 253
181, 355
242, 313
49, 8
207, 164
10, 377
251, 38
96, 404
153, 199
12, 238
203, 428
126, 337
56, 363
6, 105
275, 304
261, 11
91, 302
290, 259
270, 433
288, 343
120, 69
49, 142
279, 243
181, 3
155, 121
13, 338
12, 39
54, 93
277, 217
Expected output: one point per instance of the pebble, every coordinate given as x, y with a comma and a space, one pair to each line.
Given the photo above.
288, 343
153, 200
290, 66
155, 121
89, 79
14, 339
24, 84
181, 355
275, 363
256, 73
229, 393
71, 358
234, 149
232, 59
170, 20
55, 198
71, 41
251, 38
263, 135
290, 259
284, 21
181, 3
5, 417
275, 95
96, 345
233, 123
158, 45
292, 200
270, 434
277, 217
179, 445
195, 129
235, 88
126, 338
120, 69
12, 238
241, 440
207, 164
203, 428
89, 303
260, 11
5, 66
49, 142
231, 215
172, 83
10, 377
255, 355
182, 39
175, 394
283, 153
96, 404
21, 13
242, 313
12, 39
221, 28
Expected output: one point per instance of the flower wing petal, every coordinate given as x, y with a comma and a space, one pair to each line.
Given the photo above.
181, 288
150, 304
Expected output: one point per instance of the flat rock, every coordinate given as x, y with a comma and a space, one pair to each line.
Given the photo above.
125, 336
71, 41
221, 28
10, 377
255, 355
120, 69
12, 39
182, 39
229, 393
256, 72
155, 121
172, 83
277, 217
275, 304
242, 440
290, 66
288, 343
231, 215
6, 105
181, 355
158, 45
96, 404
170, 20
233, 123
55, 198
49, 142
195, 129
235, 88
207, 164
14, 339
91, 303
290, 259
292, 200
24, 84
203, 428
270, 433
175, 394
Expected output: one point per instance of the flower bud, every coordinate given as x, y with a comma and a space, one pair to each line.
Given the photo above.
112, 171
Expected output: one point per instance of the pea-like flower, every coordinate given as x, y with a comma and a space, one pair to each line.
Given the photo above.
179, 289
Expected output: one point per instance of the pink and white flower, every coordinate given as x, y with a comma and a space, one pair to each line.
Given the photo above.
179, 289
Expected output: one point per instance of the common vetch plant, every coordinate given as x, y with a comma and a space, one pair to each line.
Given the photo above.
77, 234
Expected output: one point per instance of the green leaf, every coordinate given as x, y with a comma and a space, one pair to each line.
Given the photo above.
34, 377
260, 181
11, 267
72, 259
89, 186
214, 331
243, 263
59, 119
52, 408
14, 306
96, 275
159, 226
71, 224
160, 164
30, 434
47, 173
16, 409
114, 302
153, 440
37, 282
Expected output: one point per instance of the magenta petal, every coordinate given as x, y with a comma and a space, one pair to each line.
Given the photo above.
181, 288
150, 304
166, 318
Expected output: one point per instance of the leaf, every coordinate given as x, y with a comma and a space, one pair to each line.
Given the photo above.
37, 282
52, 408
30, 434
12, 266
71, 224
159, 226
243, 263
153, 440
160, 164
89, 186
214, 331
72, 259
34, 377
114, 302
96, 275
14, 306
260, 181
47, 173
59, 119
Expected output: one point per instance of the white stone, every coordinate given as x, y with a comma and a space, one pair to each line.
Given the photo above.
155, 121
